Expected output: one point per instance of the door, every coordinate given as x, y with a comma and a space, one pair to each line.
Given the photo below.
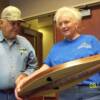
35, 39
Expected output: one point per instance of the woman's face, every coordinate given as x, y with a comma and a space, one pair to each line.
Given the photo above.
67, 26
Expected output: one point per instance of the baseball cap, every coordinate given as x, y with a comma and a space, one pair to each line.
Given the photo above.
11, 13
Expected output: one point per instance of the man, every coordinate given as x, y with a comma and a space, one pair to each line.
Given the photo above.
17, 56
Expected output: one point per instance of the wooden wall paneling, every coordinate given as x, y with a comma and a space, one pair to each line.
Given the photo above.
35, 39
91, 25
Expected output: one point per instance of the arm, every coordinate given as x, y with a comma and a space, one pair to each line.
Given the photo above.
30, 62
43, 68
31, 65
24, 79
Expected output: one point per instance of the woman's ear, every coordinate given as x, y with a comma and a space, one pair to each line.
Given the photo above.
79, 26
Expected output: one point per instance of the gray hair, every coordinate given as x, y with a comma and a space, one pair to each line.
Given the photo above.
69, 11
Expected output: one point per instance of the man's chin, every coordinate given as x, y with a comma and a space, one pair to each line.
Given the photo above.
12, 37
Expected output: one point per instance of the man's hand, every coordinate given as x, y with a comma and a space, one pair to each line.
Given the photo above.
19, 83
20, 77
16, 95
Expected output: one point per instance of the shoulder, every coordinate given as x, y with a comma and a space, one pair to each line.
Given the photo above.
89, 37
60, 43
22, 40
57, 46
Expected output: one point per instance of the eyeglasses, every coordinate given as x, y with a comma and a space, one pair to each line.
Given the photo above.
13, 23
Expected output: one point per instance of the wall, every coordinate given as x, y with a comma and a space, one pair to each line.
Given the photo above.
89, 25
32, 8
47, 39
3, 3
38, 7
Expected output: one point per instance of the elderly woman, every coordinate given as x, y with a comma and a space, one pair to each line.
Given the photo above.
74, 46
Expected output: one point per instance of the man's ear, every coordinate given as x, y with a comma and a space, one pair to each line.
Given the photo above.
1, 22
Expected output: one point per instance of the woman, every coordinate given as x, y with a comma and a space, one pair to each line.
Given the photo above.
74, 46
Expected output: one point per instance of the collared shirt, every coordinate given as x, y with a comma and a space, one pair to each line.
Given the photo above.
15, 58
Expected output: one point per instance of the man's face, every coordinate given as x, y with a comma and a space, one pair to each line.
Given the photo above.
67, 26
10, 28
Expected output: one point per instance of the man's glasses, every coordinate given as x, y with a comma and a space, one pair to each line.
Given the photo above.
18, 23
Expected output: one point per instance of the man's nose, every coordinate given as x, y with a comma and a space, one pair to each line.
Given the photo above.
16, 25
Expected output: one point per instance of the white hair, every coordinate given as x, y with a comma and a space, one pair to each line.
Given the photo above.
70, 12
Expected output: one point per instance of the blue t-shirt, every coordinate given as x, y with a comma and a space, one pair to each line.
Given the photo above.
66, 50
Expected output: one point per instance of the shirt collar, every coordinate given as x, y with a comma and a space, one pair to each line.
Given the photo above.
16, 40
1, 36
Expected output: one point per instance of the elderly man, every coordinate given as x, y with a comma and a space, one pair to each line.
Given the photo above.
17, 56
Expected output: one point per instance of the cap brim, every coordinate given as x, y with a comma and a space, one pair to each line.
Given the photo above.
21, 20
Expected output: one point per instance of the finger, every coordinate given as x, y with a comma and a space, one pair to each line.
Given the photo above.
16, 95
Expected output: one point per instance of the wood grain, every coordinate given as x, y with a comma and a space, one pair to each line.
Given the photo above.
61, 76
